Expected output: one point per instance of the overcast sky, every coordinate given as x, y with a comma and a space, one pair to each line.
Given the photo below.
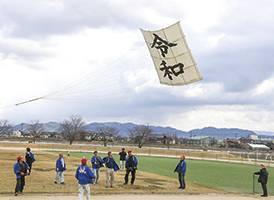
92, 55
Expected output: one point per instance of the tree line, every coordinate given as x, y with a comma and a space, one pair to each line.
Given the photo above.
74, 127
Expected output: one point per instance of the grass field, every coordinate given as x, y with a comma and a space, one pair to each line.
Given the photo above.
178, 152
155, 174
230, 177
41, 180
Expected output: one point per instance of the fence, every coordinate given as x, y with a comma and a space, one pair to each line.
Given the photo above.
248, 157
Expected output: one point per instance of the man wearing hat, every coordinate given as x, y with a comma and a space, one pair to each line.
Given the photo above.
21, 169
263, 179
123, 155
60, 168
181, 170
97, 163
85, 176
131, 167
111, 168
29, 158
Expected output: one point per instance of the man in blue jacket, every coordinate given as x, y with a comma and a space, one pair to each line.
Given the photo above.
29, 158
97, 163
181, 170
111, 166
60, 168
85, 176
21, 169
131, 167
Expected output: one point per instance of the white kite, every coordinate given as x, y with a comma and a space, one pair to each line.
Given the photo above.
171, 55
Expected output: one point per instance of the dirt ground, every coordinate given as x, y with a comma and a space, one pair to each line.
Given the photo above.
41, 180
39, 185
136, 197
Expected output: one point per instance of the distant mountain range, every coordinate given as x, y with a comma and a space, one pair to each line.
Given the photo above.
218, 133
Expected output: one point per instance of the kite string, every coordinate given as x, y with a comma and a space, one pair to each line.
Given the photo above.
78, 82
111, 78
103, 69
96, 75
111, 97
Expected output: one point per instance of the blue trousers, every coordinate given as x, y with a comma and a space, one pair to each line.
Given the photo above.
96, 172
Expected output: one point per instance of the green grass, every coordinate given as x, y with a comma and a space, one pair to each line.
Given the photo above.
230, 177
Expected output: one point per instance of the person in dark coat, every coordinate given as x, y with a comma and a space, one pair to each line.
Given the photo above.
181, 170
263, 179
21, 169
29, 158
131, 167
123, 155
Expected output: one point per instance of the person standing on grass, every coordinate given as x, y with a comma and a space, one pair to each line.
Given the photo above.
97, 163
111, 168
21, 169
131, 167
29, 158
60, 168
85, 176
181, 170
123, 155
263, 179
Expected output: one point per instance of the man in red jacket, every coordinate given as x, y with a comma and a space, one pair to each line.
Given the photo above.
21, 169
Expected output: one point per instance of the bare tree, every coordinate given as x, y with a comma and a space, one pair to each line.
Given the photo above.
35, 129
168, 138
106, 133
72, 127
140, 134
5, 127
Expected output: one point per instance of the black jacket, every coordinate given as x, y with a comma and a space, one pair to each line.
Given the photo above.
28, 158
123, 155
263, 176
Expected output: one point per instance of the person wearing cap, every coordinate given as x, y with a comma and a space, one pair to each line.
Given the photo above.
97, 163
111, 166
263, 179
60, 168
123, 155
85, 176
181, 170
131, 167
29, 158
21, 169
